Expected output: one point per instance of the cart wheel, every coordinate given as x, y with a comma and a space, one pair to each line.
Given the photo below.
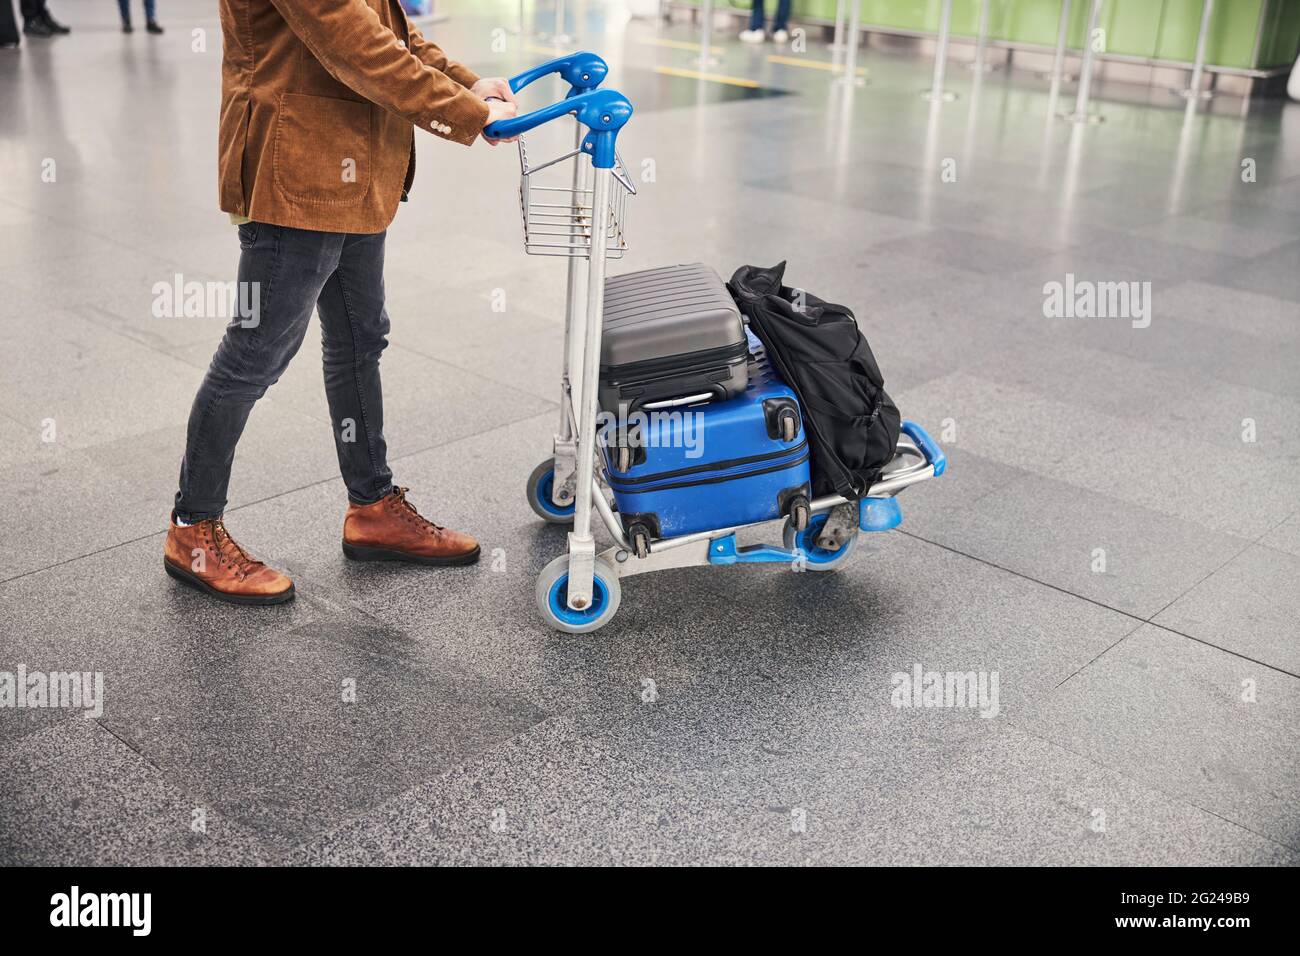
815, 558
789, 426
553, 598
623, 459
540, 485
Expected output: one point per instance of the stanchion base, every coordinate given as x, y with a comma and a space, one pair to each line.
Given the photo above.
1091, 119
943, 96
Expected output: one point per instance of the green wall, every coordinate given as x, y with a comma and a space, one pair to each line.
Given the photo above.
1160, 29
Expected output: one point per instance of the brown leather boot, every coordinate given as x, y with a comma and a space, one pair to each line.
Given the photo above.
206, 557
392, 530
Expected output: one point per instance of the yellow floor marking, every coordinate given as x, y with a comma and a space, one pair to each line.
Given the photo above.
712, 77
678, 44
811, 64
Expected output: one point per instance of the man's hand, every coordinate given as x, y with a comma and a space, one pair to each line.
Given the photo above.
499, 110
494, 86
500, 100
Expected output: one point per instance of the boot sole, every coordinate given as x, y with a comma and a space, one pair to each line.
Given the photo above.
358, 553
254, 600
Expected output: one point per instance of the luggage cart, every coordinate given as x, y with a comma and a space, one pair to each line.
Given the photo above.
574, 206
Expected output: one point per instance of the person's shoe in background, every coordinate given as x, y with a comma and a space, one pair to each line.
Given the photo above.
153, 27
36, 27
126, 27
752, 36
54, 25
781, 36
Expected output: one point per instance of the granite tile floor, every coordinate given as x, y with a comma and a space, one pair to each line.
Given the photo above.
1115, 542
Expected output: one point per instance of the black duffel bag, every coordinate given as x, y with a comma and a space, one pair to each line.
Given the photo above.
818, 349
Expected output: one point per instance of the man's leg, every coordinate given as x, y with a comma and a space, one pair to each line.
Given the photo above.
354, 333
281, 274
782, 21
381, 525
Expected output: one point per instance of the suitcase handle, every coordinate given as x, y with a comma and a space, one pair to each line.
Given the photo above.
677, 402
603, 112
583, 71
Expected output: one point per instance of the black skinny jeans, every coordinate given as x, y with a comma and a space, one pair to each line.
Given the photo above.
283, 274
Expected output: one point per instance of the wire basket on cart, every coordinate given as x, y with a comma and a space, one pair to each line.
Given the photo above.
555, 199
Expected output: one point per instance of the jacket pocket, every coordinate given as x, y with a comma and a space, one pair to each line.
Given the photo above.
322, 150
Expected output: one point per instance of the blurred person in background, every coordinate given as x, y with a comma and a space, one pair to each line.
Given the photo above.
37, 21
150, 20
780, 25
8, 26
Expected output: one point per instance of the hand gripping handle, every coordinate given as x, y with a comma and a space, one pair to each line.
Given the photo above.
603, 112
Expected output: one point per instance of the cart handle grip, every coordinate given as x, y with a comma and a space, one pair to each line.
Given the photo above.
603, 112
933, 453
583, 71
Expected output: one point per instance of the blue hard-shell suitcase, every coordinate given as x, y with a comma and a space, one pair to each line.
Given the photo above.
713, 465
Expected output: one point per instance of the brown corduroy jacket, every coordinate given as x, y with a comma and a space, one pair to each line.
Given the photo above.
318, 101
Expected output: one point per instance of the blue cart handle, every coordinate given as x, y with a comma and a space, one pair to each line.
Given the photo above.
603, 112
933, 453
583, 71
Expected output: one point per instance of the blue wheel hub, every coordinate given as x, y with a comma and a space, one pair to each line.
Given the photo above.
545, 490
806, 541
559, 602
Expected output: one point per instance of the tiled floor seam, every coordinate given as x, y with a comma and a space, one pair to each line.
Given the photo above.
1129, 614
290, 491
1108, 649
1174, 797
1205, 577
355, 818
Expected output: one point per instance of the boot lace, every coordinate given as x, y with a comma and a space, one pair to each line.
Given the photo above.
410, 514
229, 551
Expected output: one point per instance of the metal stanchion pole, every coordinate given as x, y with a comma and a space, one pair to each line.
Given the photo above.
982, 40
837, 43
1198, 69
522, 28
850, 77
706, 57
558, 37
936, 92
1081, 114
1058, 64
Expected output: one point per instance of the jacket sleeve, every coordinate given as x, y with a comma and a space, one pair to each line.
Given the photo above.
431, 55
351, 42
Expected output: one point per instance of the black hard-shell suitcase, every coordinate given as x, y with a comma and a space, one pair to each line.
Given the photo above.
670, 333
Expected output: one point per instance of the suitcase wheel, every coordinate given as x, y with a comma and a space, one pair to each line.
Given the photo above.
800, 511
639, 536
789, 425
623, 458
